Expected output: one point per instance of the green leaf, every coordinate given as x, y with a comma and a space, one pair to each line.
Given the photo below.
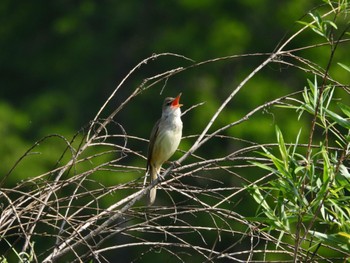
265, 167
330, 91
331, 23
339, 119
260, 199
343, 234
327, 166
319, 26
296, 143
345, 108
344, 66
339, 239
314, 92
282, 147
344, 171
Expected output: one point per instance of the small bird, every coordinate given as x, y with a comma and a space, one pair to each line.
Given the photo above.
165, 138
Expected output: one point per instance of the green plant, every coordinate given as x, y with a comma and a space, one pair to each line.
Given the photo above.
309, 197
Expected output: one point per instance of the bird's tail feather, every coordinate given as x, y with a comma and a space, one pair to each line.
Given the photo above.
153, 192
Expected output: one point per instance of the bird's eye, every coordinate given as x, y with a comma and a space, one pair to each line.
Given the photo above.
168, 103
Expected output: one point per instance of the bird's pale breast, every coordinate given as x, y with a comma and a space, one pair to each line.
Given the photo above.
167, 142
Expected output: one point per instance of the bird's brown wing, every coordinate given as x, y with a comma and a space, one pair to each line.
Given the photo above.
154, 134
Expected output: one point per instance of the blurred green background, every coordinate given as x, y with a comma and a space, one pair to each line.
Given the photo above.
60, 61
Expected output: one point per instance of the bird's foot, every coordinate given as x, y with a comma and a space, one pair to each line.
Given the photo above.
175, 164
160, 177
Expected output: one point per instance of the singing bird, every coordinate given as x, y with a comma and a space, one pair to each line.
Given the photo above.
165, 138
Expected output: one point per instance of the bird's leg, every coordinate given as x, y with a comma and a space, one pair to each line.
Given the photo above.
145, 180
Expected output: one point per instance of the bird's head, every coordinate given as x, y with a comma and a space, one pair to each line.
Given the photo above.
172, 105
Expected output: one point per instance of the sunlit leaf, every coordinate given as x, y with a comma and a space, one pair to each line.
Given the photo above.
344, 171
347, 235
282, 147
334, 239
345, 109
347, 68
339, 119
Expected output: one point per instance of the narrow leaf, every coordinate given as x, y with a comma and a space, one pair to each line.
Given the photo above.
345, 109
339, 119
344, 66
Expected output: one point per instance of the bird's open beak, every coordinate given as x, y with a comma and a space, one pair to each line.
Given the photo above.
175, 103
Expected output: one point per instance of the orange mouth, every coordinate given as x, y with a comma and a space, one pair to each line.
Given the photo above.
175, 103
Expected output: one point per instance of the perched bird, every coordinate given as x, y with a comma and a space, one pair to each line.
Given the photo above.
165, 138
